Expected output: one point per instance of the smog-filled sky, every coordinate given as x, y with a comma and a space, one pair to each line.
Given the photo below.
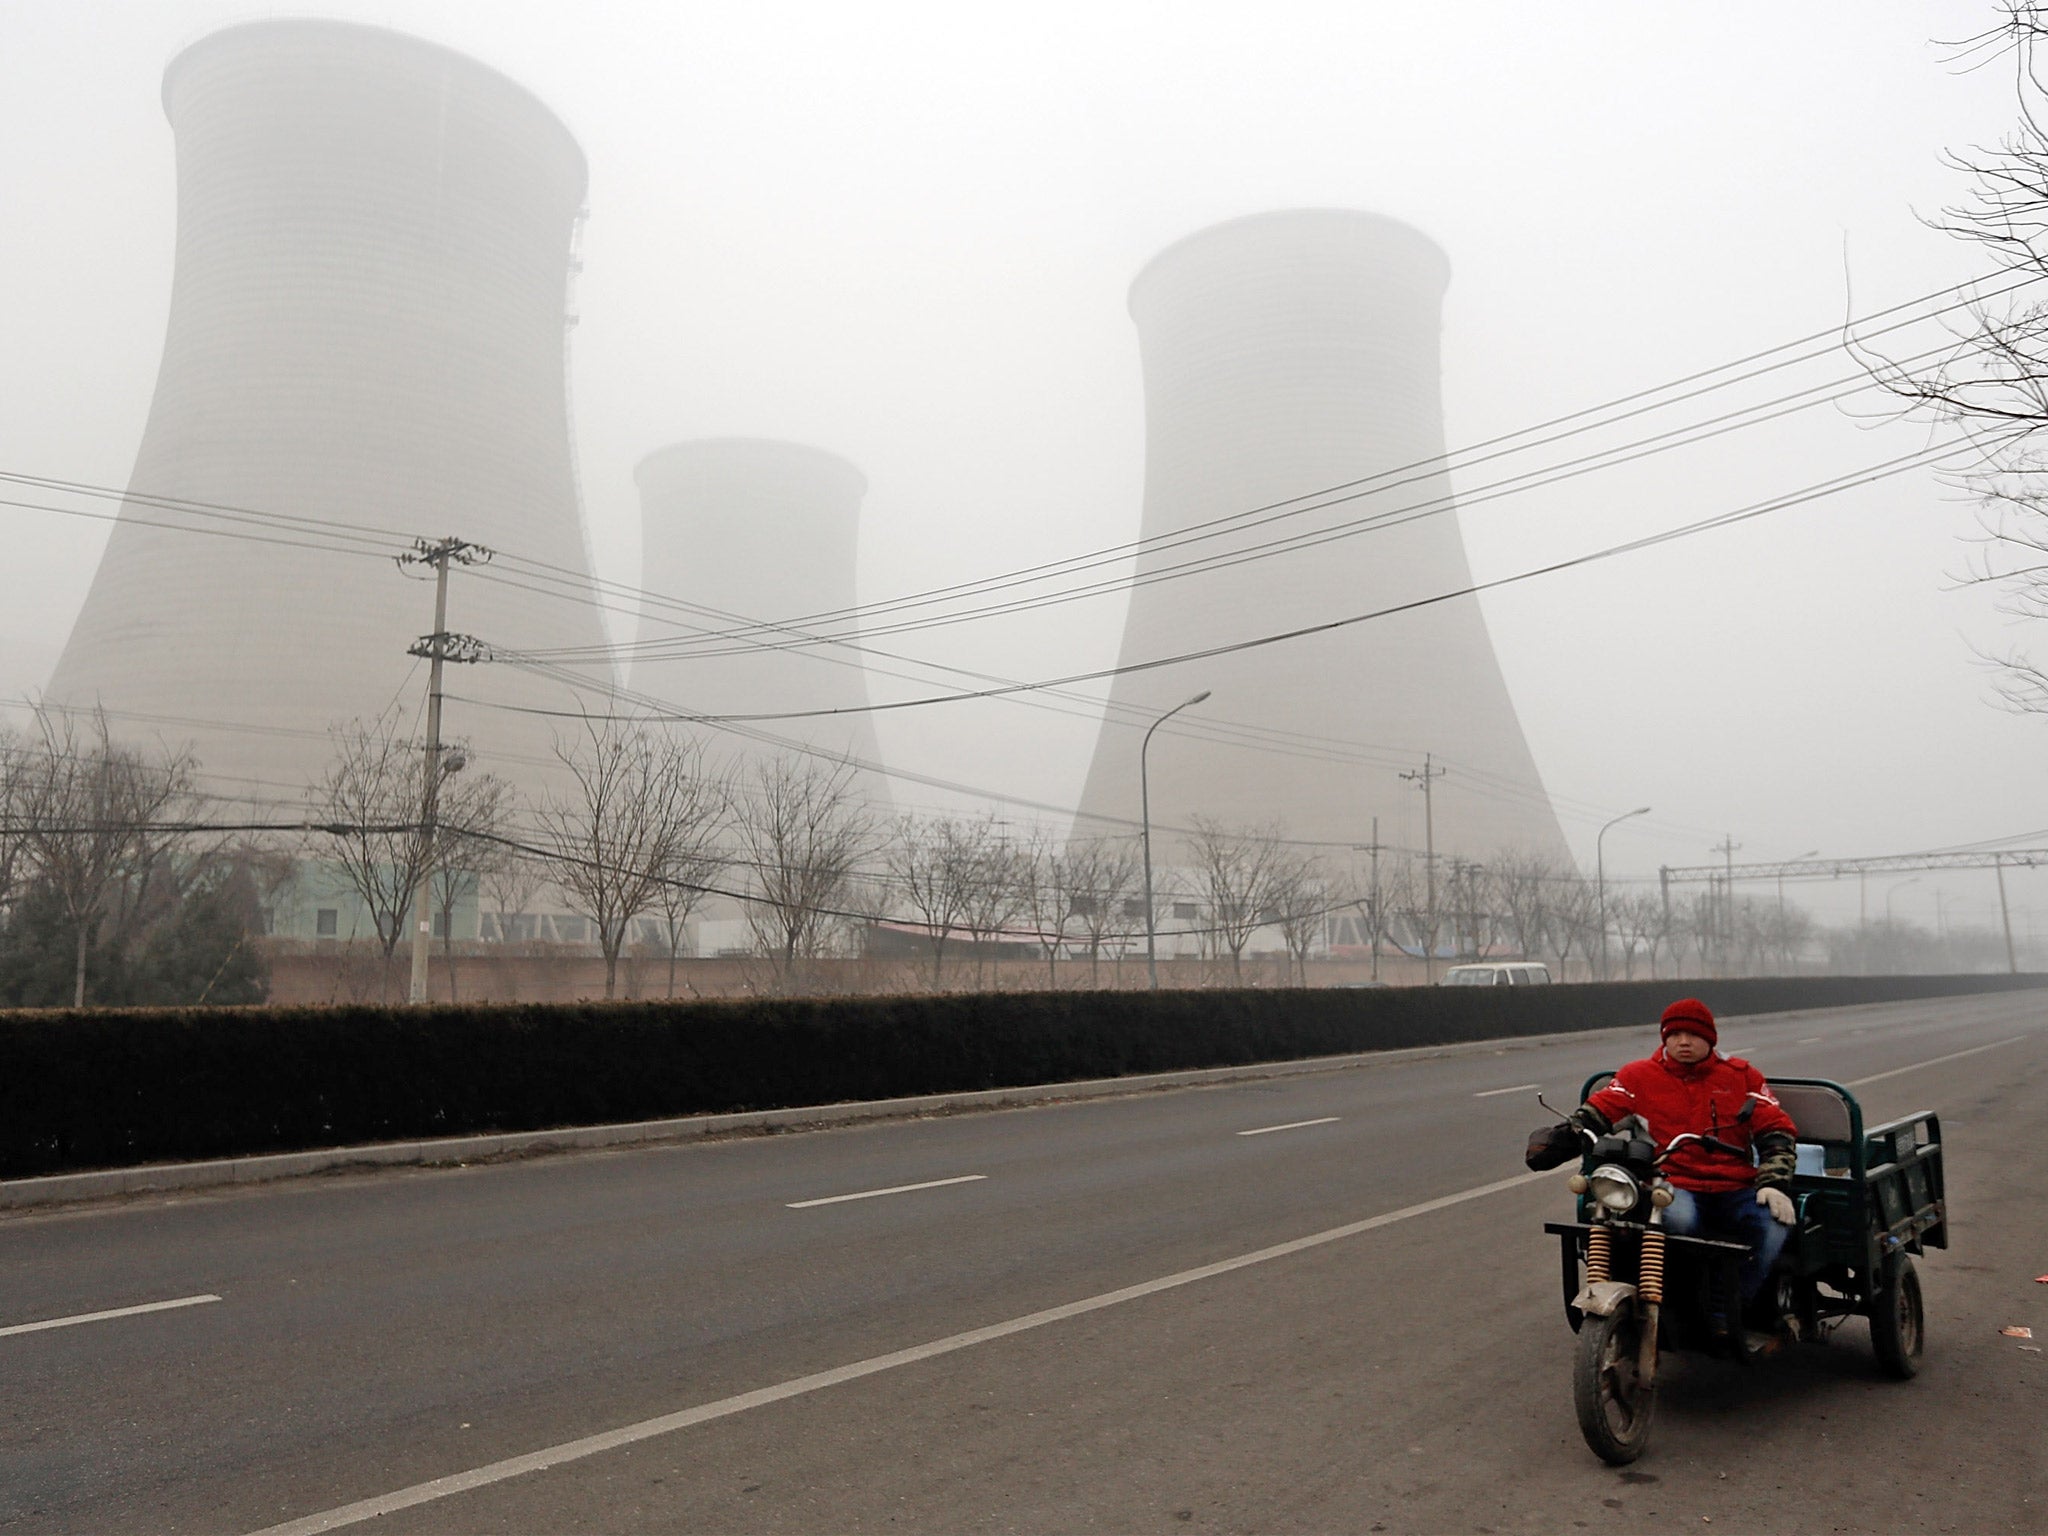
905, 233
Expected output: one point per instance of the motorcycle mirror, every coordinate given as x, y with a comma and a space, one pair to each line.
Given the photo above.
1552, 1108
1748, 1109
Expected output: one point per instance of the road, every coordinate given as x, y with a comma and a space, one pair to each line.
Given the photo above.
1063, 1318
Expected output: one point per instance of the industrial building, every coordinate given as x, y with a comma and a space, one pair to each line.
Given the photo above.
367, 333
748, 555
1291, 359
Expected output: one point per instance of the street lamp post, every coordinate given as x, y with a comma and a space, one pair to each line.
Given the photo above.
1145, 825
1600, 877
1891, 937
1811, 853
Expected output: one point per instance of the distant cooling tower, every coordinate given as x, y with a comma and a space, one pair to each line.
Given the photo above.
754, 536
367, 326
1285, 353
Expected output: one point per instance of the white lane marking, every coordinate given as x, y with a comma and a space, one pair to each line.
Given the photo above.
1494, 1093
1810, 1040
1292, 1125
1975, 1050
100, 1317
894, 1189
648, 1429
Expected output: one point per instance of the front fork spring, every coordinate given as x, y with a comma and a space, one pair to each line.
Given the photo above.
1650, 1270
1598, 1256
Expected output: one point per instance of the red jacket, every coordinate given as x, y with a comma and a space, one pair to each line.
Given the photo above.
1704, 1098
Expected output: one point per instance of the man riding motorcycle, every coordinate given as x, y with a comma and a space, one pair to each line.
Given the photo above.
1733, 1183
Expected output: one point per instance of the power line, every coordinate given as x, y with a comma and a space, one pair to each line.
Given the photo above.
738, 640
1920, 458
1446, 460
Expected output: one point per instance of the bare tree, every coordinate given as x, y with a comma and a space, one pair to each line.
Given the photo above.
1298, 904
995, 894
510, 882
1574, 920
1406, 893
804, 834
1638, 924
1103, 872
370, 803
92, 829
1697, 922
1237, 871
17, 809
1522, 884
1050, 897
479, 813
1992, 384
935, 862
636, 801
686, 880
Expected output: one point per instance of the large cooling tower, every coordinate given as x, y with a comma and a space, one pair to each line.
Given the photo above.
367, 326
1283, 354
750, 538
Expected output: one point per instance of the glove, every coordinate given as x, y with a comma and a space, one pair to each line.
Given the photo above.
1778, 1203
1552, 1146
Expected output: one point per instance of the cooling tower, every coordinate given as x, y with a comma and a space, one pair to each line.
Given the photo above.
367, 326
752, 537
1285, 353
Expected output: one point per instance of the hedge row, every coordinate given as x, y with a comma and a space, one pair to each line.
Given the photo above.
107, 1089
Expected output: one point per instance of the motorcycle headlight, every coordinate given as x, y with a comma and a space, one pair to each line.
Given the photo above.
1614, 1188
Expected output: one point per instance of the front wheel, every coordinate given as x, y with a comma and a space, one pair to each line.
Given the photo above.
1898, 1321
1613, 1402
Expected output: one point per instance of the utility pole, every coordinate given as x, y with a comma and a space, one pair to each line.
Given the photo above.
1458, 913
1727, 847
438, 647
1426, 775
2012, 963
1373, 902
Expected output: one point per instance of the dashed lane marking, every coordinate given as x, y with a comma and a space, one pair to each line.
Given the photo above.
112, 1312
1975, 1050
1292, 1125
894, 1189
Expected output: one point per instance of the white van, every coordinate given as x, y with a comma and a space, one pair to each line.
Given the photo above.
1512, 973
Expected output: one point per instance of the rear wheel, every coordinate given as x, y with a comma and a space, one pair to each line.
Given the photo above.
1898, 1320
1613, 1402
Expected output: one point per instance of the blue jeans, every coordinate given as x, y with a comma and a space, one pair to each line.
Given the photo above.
1734, 1215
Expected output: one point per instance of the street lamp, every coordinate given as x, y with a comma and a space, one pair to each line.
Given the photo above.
1888, 895
1145, 823
1600, 871
1811, 853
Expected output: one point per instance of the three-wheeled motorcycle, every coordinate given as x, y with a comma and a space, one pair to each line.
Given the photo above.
1866, 1199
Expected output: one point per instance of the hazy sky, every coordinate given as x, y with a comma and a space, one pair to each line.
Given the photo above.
904, 232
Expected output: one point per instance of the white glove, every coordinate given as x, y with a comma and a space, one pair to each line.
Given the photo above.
1778, 1203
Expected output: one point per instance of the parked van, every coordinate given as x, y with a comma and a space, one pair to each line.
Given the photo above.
1511, 973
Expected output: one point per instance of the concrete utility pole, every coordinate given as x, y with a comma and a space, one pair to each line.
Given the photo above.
2012, 963
438, 647
1373, 902
1426, 775
1726, 847
1460, 912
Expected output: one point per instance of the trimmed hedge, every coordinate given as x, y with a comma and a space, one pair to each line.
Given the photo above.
108, 1089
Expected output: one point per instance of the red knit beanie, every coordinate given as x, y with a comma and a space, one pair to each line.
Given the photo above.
1692, 1016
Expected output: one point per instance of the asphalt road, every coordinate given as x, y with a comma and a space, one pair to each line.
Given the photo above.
1074, 1325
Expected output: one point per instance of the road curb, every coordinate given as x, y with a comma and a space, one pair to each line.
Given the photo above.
162, 1178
